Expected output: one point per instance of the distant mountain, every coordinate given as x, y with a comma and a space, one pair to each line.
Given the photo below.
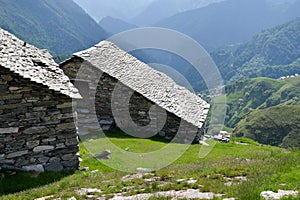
272, 53
60, 26
122, 9
161, 9
113, 25
276, 126
230, 21
259, 93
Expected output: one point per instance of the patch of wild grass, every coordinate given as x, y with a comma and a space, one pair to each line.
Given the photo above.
267, 168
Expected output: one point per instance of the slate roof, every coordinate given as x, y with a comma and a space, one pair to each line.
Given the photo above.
34, 64
152, 84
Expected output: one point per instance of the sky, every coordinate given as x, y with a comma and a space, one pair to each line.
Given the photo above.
123, 9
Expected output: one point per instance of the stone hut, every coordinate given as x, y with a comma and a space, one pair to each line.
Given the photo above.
37, 129
125, 92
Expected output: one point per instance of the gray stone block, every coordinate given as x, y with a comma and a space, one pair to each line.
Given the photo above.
36, 130
43, 148
54, 167
35, 168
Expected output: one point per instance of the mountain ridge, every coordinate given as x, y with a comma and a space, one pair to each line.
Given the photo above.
60, 26
114, 25
167, 8
271, 53
228, 22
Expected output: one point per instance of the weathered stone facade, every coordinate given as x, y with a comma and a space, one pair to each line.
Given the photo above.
111, 98
37, 129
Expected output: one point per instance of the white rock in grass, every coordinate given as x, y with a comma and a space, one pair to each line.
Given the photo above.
187, 194
180, 180
270, 195
45, 198
288, 192
88, 191
132, 177
228, 184
191, 181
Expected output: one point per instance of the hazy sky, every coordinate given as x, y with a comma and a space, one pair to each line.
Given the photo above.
123, 9
128, 9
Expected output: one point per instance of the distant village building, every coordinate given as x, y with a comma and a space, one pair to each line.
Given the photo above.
110, 75
37, 130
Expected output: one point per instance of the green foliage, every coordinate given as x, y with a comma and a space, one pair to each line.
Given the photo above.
22, 181
259, 93
271, 53
60, 26
277, 126
267, 168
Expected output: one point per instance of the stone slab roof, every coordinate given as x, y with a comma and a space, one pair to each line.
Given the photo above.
34, 64
152, 84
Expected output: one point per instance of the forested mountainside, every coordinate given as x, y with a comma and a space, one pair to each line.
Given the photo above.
230, 21
271, 53
60, 26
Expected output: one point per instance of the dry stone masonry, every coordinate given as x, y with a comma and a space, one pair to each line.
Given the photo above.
37, 129
111, 75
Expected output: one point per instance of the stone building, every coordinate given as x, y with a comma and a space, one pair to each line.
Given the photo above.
125, 92
37, 129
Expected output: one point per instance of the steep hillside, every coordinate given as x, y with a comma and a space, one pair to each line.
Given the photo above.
167, 8
277, 126
60, 26
259, 93
272, 53
113, 25
230, 21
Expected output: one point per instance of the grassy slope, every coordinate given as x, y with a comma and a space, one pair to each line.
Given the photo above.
266, 167
278, 126
259, 93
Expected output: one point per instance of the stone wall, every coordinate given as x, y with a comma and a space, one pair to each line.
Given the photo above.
110, 92
37, 130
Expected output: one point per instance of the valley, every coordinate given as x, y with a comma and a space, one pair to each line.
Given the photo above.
256, 48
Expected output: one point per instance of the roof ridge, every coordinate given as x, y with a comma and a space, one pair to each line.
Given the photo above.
152, 84
35, 64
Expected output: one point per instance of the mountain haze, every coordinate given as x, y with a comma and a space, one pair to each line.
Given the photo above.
122, 9
113, 25
161, 9
230, 21
271, 53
